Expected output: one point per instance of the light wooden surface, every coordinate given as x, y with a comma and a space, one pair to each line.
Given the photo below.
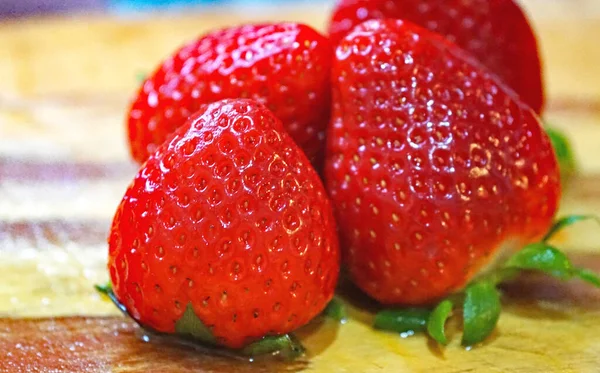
64, 87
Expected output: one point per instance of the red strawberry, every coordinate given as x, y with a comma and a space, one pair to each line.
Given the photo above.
435, 168
497, 32
285, 66
230, 218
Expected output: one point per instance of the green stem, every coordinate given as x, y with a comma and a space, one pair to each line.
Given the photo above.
566, 221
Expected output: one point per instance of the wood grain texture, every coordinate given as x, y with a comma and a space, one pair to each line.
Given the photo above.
101, 344
64, 88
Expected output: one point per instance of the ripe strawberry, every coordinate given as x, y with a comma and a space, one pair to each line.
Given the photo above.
229, 218
285, 66
435, 168
497, 32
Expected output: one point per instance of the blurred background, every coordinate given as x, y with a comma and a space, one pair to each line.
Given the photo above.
23, 8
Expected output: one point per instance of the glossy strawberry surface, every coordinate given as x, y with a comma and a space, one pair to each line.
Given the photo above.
435, 168
229, 217
497, 32
285, 66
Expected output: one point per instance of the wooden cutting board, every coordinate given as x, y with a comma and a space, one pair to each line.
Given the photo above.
64, 87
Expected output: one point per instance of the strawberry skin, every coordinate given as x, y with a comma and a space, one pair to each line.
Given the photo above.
285, 66
435, 168
497, 32
229, 217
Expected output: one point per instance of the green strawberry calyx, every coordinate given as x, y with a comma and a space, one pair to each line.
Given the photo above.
480, 300
141, 76
286, 346
336, 310
107, 290
564, 152
436, 321
408, 320
190, 327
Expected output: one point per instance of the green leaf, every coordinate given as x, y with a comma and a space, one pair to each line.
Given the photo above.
336, 310
285, 346
545, 258
566, 221
402, 320
541, 257
501, 275
563, 151
104, 289
140, 77
436, 324
107, 290
481, 311
190, 325
587, 276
